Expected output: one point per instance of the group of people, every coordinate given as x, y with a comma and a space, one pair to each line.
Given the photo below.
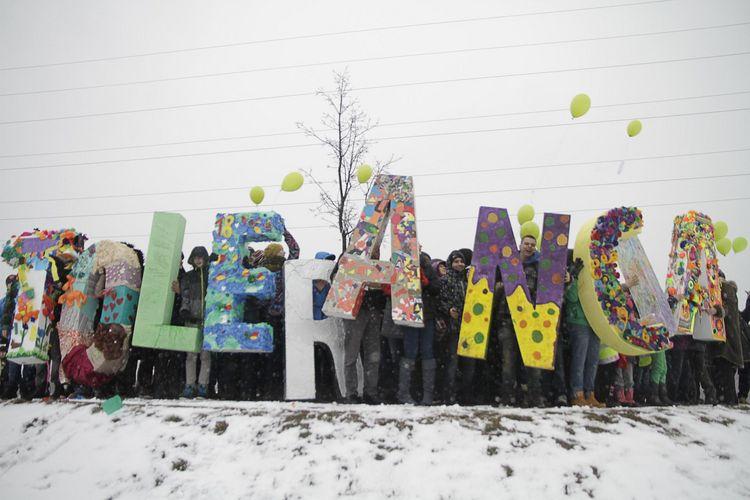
409, 365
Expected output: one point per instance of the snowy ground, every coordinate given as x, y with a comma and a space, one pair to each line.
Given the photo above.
160, 449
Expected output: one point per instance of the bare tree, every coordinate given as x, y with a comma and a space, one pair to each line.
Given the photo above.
344, 133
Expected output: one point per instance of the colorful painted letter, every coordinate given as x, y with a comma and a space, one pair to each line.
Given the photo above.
229, 284
535, 322
152, 328
391, 197
609, 309
694, 274
29, 253
111, 271
650, 300
303, 332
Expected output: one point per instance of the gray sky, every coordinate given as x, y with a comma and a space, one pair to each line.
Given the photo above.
527, 81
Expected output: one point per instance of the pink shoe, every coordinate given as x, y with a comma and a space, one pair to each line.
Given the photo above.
620, 395
629, 397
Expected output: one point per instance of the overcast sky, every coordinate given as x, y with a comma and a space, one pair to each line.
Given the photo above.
502, 80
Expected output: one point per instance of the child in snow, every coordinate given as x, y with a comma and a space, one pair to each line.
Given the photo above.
193, 292
451, 305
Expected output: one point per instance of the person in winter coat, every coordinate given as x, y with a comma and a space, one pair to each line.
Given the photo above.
6, 323
419, 341
193, 293
57, 275
728, 356
19, 376
273, 371
363, 334
320, 289
506, 335
451, 305
584, 345
605, 374
440, 267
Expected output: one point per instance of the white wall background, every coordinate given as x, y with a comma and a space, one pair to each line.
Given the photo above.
498, 110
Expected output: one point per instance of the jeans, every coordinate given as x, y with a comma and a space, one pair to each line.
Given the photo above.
512, 362
20, 375
584, 358
363, 333
191, 362
419, 340
624, 376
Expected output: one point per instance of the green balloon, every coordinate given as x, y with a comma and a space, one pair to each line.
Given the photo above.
739, 244
292, 182
257, 194
724, 246
580, 105
530, 228
634, 128
364, 172
721, 229
525, 214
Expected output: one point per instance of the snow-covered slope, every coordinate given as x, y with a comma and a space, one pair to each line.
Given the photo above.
160, 449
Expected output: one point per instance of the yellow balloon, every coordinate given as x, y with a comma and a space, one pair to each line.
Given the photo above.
364, 172
724, 246
580, 105
721, 229
257, 194
634, 128
530, 228
739, 244
292, 182
525, 214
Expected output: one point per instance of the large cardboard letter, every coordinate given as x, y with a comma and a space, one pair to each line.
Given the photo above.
229, 284
110, 270
535, 323
609, 309
650, 300
29, 253
302, 331
694, 273
152, 328
391, 197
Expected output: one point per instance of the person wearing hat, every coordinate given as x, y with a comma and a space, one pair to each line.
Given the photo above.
193, 294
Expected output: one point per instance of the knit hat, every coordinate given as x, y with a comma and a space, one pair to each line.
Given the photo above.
454, 255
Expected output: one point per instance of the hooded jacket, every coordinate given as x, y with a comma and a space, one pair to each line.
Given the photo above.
319, 296
531, 271
731, 350
9, 307
193, 288
453, 287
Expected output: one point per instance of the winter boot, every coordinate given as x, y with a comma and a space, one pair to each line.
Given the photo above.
663, 396
653, 398
428, 381
620, 396
406, 368
579, 399
593, 402
629, 393
189, 392
710, 396
202, 392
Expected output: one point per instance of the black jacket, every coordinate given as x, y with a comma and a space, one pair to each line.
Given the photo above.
193, 289
9, 309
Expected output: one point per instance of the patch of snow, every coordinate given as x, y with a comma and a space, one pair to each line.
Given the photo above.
209, 449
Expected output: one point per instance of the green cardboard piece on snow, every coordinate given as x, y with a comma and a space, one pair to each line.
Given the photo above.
112, 405
152, 328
